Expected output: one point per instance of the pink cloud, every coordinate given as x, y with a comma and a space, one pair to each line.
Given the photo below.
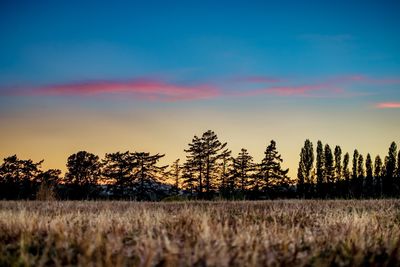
283, 90
141, 88
384, 105
158, 90
363, 80
332, 87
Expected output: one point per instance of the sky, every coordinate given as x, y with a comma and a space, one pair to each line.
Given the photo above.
107, 76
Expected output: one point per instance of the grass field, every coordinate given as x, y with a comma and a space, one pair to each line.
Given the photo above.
267, 233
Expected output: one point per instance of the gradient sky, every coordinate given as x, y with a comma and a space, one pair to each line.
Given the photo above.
148, 75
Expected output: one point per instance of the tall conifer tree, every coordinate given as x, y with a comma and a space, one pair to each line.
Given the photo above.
390, 168
305, 168
378, 169
320, 168
242, 171
271, 171
368, 188
329, 171
346, 174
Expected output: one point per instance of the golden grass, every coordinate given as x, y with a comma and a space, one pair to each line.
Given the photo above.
267, 233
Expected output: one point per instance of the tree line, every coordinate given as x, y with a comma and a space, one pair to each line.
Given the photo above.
343, 176
209, 171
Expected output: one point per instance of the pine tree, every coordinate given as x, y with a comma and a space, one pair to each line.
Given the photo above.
189, 181
204, 155
117, 173
320, 168
242, 171
304, 171
378, 169
147, 174
195, 164
271, 171
225, 168
175, 173
368, 188
212, 148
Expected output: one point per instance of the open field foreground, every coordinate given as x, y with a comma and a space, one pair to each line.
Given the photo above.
268, 233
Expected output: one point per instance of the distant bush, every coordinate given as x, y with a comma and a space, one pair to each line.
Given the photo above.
46, 193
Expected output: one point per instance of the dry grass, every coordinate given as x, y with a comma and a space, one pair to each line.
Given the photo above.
268, 233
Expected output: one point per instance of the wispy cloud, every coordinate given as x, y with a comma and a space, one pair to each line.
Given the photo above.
155, 89
283, 90
331, 87
362, 79
140, 88
385, 105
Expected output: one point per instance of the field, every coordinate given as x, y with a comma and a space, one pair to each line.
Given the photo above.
267, 233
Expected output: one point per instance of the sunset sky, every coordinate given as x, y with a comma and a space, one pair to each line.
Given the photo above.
148, 75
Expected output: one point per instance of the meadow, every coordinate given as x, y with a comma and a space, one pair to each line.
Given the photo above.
222, 233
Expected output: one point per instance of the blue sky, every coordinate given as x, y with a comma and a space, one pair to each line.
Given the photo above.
48, 41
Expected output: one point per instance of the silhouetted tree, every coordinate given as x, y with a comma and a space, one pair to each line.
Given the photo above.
368, 185
19, 178
272, 174
212, 148
242, 171
390, 168
397, 182
398, 165
195, 163
189, 181
147, 175
305, 184
360, 167
354, 176
384, 173
118, 173
360, 176
50, 177
9, 174
320, 171
83, 173
175, 174
329, 171
378, 169
225, 170
346, 174
338, 162
203, 157
209, 167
